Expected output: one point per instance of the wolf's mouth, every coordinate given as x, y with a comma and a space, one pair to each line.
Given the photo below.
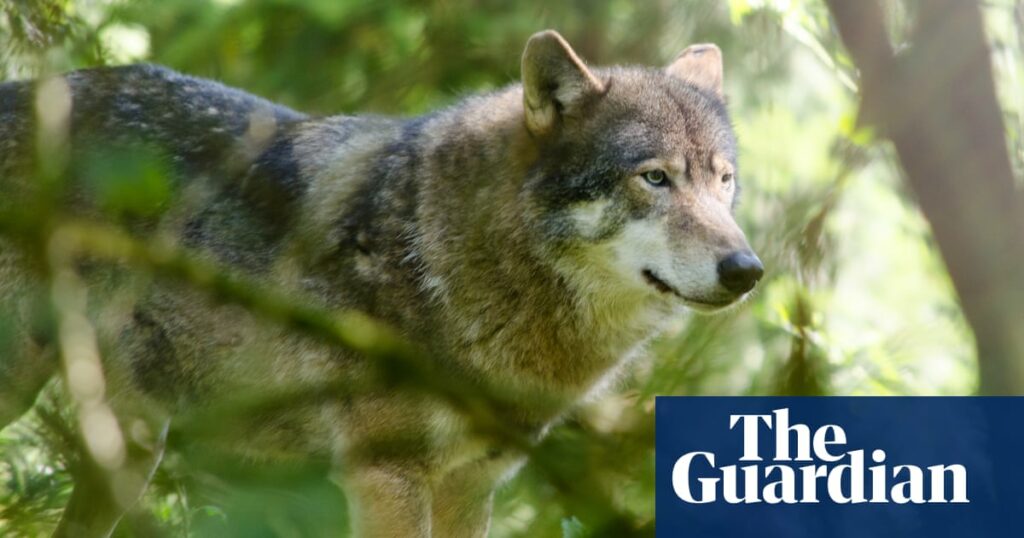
659, 284
665, 287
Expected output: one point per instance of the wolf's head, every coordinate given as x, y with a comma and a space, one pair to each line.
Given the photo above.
636, 178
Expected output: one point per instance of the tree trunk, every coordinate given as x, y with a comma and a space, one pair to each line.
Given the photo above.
937, 103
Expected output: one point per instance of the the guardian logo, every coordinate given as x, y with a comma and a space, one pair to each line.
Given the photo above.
839, 467
809, 466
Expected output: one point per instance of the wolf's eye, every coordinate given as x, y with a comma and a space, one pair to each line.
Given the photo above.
726, 178
658, 178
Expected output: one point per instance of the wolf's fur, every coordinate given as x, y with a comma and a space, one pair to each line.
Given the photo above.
513, 233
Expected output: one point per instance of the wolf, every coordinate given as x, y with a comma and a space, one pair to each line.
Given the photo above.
535, 238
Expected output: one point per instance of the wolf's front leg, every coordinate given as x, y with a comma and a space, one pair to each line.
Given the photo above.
463, 498
462, 502
388, 501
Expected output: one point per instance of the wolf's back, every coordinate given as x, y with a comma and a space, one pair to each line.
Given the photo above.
192, 123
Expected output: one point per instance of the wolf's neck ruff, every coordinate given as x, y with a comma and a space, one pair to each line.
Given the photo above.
451, 190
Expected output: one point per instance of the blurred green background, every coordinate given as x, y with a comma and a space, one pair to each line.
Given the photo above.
856, 300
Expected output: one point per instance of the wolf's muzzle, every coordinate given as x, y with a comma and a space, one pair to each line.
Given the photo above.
740, 271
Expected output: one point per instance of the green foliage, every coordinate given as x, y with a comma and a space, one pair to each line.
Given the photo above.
856, 299
128, 180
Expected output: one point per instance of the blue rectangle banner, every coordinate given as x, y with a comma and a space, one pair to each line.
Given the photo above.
839, 467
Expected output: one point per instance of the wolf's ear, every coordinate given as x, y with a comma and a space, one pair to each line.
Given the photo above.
556, 83
700, 65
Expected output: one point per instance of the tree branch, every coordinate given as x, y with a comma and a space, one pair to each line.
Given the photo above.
396, 361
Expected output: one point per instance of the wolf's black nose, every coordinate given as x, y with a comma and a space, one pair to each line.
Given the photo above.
739, 271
